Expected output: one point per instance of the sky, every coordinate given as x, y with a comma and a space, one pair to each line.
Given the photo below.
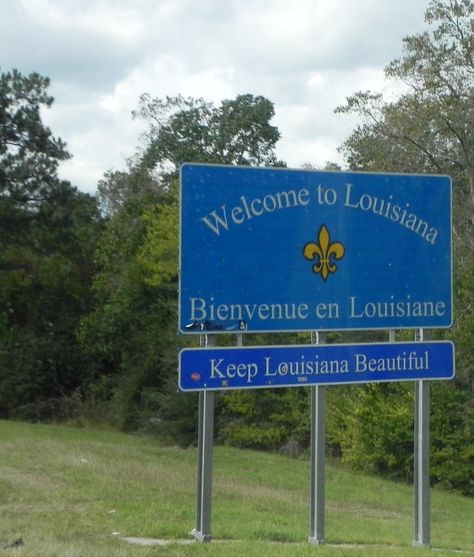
306, 56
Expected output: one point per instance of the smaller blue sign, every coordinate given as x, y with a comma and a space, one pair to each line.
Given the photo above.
213, 369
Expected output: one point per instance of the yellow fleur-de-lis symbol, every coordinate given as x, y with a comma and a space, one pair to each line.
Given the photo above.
324, 252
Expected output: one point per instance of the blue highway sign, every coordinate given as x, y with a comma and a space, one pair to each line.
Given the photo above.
215, 369
289, 250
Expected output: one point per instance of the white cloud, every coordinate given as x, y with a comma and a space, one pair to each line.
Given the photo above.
306, 56
116, 21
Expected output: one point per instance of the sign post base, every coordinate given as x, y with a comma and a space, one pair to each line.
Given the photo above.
315, 541
200, 537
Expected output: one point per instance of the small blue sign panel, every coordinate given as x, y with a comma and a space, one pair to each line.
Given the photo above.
215, 369
290, 250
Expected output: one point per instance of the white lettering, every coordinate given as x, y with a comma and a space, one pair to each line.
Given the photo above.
202, 310
217, 220
401, 362
327, 311
393, 309
389, 210
245, 371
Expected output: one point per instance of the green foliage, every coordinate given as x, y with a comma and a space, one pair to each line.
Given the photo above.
372, 425
452, 438
134, 187
428, 129
193, 130
170, 414
158, 255
274, 419
130, 336
48, 232
29, 154
44, 289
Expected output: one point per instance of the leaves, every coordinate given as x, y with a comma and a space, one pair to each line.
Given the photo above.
159, 254
48, 232
29, 153
427, 129
193, 130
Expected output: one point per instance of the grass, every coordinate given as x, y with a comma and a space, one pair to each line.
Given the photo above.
74, 492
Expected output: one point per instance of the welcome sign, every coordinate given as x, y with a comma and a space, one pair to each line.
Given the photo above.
288, 250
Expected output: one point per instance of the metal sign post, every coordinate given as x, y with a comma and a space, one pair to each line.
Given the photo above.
422, 499
317, 458
202, 532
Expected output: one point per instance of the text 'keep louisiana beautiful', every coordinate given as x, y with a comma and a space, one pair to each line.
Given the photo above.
280, 366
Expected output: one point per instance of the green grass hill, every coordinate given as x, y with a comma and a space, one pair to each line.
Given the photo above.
78, 492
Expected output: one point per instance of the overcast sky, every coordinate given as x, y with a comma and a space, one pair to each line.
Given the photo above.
306, 56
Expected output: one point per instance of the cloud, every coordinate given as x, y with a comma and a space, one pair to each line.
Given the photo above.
306, 56
68, 44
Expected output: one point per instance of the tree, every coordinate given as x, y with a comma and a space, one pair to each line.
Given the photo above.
29, 157
29, 153
43, 294
428, 129
131, 334
48, 232
193, 130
